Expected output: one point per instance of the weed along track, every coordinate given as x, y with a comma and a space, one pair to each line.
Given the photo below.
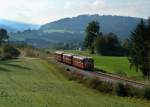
104, 76
114, 78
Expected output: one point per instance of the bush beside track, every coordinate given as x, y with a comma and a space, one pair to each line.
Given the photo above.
118, 88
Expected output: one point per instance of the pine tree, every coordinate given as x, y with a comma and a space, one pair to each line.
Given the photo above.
148, 45
140, 49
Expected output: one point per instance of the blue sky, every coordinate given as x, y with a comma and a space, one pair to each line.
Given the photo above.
43, 11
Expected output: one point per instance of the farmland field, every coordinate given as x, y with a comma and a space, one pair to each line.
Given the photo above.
114, 65
30, 82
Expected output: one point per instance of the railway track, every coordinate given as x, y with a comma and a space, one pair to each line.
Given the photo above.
105, 76
123, 80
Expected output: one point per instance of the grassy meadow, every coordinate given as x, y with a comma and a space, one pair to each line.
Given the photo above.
30, 82
114, 65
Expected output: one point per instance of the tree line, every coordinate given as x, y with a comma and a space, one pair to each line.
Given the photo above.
104, 44
7, 51
137, 47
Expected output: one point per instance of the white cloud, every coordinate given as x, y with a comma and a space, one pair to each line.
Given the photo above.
136, 8
77, 7
43, 11
98, 4
83, 6
32, 11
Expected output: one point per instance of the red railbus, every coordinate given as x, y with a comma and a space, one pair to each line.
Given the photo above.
67, 58
82, 62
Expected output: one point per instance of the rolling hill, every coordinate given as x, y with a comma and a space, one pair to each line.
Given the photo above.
71, 30
13, 26
120, 25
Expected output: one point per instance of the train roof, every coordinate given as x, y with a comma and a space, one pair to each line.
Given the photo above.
59, 52
81, 57
73, 55
69, 55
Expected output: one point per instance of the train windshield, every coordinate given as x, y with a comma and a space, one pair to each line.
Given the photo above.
89, 61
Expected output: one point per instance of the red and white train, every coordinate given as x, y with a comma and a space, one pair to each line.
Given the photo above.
82, 62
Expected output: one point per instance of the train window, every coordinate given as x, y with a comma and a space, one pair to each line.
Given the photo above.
89, 61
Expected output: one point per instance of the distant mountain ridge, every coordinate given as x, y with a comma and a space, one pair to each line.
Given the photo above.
13, 26
121, 25
72, 30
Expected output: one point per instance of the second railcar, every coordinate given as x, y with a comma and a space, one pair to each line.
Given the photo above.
67, 58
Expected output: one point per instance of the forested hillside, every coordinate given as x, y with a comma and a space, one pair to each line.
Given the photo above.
120, 25
72, 30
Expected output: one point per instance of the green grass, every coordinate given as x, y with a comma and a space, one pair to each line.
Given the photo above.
35, 83
114, 65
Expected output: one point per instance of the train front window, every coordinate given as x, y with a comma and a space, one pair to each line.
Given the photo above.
89, 61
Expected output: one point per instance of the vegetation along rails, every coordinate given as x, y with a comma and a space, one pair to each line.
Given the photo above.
120, 79
100, 75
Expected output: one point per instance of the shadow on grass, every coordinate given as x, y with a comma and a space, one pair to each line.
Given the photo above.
8, 63
17, 66
4, 69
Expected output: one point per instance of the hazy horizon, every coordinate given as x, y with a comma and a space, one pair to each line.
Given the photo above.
40, 12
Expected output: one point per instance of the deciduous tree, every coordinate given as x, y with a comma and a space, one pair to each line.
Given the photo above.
92, 31
3, 36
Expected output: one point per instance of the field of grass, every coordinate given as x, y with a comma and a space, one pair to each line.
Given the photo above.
36, 83
115, 65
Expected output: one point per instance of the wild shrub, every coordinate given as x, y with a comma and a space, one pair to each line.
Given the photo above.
78, 76
134, 92
105, 87
121, 90
95, 83
9, 52
70, 78
147, 93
